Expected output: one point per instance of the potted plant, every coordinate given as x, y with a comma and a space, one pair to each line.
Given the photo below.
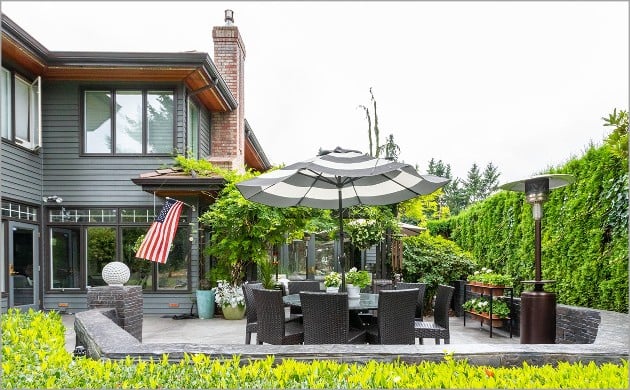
231, 299
355, 281
332, 281
266, 274
205, 299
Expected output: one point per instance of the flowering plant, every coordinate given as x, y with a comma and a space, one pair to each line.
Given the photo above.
333, 279
482, 305
488, 276
227, 294
360, 279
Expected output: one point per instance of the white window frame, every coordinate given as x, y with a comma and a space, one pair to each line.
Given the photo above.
34, 108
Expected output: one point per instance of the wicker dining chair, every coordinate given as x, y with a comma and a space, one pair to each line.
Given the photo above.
395, 317
297, 286
250, 311
272, 327
439, 328
326, 319
422, 288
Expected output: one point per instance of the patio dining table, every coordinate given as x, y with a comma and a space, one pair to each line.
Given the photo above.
366, 301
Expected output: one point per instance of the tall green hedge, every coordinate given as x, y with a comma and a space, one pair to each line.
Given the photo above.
584, 233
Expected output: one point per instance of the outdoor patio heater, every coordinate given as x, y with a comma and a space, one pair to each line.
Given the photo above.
538, 307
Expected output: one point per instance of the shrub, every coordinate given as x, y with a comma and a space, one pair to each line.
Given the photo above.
434, 260
34, 356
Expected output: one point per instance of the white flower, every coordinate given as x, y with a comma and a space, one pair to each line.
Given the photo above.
228, 295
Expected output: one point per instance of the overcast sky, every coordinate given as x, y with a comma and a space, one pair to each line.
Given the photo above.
520, 84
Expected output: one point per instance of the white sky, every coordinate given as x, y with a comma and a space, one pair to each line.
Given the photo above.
520, 84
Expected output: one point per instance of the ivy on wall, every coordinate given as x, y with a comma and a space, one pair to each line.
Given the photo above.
584, 233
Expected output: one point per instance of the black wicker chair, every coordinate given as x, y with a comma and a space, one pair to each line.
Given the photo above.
422, 288
272, 327
326, 319
439, 328
297, 286
395, 321
250, 310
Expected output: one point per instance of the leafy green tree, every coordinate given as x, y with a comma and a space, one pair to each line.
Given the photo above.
473, 184
459, 194
368, 224
618, 139
489, 181
434, 260
453, 196
244, 232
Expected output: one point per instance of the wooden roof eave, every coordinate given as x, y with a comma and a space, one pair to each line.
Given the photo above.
181, 186
195, 69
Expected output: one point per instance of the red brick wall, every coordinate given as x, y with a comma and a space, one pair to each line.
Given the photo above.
228, 129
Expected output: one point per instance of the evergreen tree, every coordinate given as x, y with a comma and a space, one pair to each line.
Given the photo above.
490, 180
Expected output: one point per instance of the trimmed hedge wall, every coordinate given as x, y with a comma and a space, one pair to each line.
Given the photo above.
584, 233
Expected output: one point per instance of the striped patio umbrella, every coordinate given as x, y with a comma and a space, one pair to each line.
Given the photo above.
339, 179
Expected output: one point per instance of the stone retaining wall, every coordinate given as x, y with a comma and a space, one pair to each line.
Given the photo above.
576, 325
104, 339
127, 300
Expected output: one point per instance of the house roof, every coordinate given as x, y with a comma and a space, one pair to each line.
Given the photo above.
195, 69
175, 183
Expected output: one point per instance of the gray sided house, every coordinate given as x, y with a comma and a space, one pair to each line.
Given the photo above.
87, 139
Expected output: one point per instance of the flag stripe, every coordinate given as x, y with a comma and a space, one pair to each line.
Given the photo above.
157, 242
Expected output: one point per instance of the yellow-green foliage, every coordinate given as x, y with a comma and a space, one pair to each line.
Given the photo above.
34, 357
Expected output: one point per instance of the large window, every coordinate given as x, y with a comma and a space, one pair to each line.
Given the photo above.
20, 106
112, 235
128, 121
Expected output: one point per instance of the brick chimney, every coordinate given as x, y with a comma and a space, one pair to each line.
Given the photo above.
228, 129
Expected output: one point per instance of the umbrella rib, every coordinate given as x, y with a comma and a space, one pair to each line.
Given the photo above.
402, 186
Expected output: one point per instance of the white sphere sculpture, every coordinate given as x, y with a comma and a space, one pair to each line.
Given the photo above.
115, 273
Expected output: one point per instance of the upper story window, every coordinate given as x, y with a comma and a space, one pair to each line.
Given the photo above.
128, 121
20, 108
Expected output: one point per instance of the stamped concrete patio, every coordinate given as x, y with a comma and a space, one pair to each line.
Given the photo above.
156, 329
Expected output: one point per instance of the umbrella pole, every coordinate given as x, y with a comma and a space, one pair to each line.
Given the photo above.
342, 256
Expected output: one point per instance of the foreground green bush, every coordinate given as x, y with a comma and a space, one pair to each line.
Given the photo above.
33, 356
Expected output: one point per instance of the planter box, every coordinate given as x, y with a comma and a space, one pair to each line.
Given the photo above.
485, 289
495, 321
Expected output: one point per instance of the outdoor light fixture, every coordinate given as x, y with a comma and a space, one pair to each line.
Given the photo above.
53, 198
538, 307
536, 191
229, 17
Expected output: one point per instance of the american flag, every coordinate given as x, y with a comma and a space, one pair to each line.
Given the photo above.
157, 242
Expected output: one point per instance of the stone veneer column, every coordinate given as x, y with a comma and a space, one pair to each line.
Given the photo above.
228, 129
127, 300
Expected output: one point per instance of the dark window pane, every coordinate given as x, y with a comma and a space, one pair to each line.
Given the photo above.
101, 249
98, 122
160, 110
174, 274
141, 270
128, 122
65, 258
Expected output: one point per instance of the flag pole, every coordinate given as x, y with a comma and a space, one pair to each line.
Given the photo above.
184, 203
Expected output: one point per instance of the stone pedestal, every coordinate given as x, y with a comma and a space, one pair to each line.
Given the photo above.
127, 300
